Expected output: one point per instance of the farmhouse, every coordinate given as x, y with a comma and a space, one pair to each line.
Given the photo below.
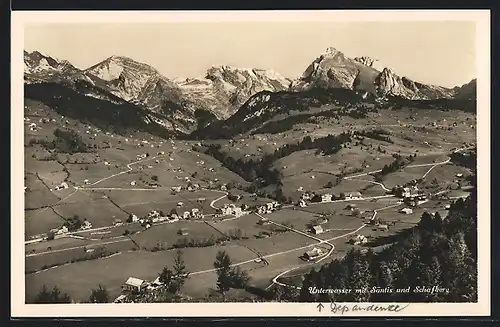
313, 254
195, 213
459, 175
306, 196
176, 188
317, 229
132, 183
326, 198
186, 215
383, 227
63, 186
302, 203
359, 239
406, 211
134, 284
353, 196
86, 181
223, 188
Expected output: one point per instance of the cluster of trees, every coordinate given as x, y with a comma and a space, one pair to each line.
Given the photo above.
73, 223
44, 296
262, 171
398, 163
437, 252
466, 159
199, 243
65, 141
229, 276
376, 134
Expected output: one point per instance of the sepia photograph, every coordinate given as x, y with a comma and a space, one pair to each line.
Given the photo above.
268, 159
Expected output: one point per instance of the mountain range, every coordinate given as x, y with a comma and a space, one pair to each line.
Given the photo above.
183, 104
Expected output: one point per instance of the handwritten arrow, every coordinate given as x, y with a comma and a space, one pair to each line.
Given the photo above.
320, 306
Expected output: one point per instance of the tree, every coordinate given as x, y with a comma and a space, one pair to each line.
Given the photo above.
99, 295
155, 178
223, 265
181, 273
173, 211
329, 184
55, 296
166, 276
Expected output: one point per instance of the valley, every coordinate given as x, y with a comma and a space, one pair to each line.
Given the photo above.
124, 167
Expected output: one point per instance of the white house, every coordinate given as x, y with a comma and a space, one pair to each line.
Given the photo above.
134, 218
326, 198
176, 188
313, 254
132, 183
317, 229
134, 284
353, 196
186, 215
180, 204
302, 203
86, 181
407, 211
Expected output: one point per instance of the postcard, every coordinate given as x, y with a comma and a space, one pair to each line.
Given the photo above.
304, 163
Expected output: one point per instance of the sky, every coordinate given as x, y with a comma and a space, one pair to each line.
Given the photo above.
431, 52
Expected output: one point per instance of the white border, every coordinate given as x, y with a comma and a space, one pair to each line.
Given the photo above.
20, 309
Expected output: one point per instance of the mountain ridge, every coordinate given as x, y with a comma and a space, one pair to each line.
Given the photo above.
224, 89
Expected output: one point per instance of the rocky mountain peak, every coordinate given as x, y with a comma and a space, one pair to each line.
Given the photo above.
370, 62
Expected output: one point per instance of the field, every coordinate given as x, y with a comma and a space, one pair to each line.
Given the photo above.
109, 195
79, 278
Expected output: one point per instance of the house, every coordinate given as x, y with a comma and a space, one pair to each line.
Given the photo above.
300, 189
176, 188
223, 188
134, 284
302, 203
383, 227
153, 214
186, 215
200, 200
121, 299
134, 218
86, 181
459, 175
407, 211
180, 204
406, 192
317, 229
237, 212
183, 232
117, 222
359, 239
132, 183
326, 198
353, 196
87, 224
313, 254
63, 185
